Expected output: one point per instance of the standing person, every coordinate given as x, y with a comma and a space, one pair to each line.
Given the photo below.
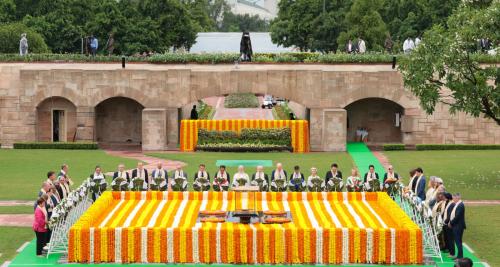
221, 179
179, 180
432, 187
246, 47
457, 223
40, 226
201, 179
44, 189
449, 240
94, 44
349, 48
390, 176
408, 45
353, 183
388, 43
333, 173
64, 173
23, 45
110, 44
371, 174
314, 183
140, 172
417, 41
121, 173
297, 180
417, 184
194, 113
99, 179
51, 177
361, 46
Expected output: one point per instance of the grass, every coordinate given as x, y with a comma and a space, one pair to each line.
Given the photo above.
16, 209
23, 171
241, 100
11, 238
475, 174
483, 226
322, 161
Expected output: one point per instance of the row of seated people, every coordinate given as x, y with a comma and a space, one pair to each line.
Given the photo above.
159, 179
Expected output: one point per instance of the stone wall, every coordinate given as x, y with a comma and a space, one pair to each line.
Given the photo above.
119, 120
44, 118
325, 89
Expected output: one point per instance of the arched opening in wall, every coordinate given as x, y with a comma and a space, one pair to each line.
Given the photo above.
118, 121
381, 118
56, 120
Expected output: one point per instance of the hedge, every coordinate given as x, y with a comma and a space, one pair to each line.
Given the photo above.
231, 147
230, 58
456, 147
56, 145
241, 100
274, 136
391, 147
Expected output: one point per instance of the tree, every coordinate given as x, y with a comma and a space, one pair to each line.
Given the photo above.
10, 34
365, 22
443, 70
7, 11
237, 23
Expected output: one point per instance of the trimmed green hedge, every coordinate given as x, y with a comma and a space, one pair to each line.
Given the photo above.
392, 147
241, 100
229, 58
456, 147
56, 145
230, 147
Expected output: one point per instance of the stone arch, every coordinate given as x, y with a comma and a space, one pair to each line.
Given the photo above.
381, 117
118, 120
56, 120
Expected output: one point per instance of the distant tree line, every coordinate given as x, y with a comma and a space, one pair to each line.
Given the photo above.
137, 25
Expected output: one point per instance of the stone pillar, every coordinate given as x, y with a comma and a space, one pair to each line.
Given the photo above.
154, 126
328, 129
172, 128
85, 124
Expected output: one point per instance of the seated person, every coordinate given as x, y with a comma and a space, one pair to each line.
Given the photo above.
390, 176
159, 178
314, 182
333, 173
297, 181
201, 179
221, 179
278, 179
240, 178
353, 183
179, 180
259, 178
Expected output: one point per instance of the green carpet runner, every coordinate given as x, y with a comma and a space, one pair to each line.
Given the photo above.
363, 158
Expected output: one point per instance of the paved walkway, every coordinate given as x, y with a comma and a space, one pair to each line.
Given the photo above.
150, 162
222, 113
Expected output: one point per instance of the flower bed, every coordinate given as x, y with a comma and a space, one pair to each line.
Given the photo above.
326, 228
241, 100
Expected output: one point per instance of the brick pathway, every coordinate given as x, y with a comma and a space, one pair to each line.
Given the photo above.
222, 113
381, 158
150, 162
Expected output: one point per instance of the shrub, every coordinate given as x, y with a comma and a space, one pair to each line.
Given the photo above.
207, 137
391, 147
235, 147
205, 111
10, 34
277, 136
56, 145
456, 147
241, 100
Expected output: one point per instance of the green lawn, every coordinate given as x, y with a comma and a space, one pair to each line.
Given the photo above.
23, 171
476, 174
322, 161
483, 226
16, 209
11, 238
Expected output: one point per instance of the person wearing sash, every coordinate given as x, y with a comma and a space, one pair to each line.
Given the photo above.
314, 183
202, 174
417, 184
353, 183
221, 179
260, 178
371, 174
457, 223
179, 179
121, 173
448, 233
431, 188
64, 173
333, 173
437, 219
390, 176
431, 199
157, 174
140, 172
240, 178
99, 180
51, 177
44, 189
40, 226
297, 180
64, 187
278, 174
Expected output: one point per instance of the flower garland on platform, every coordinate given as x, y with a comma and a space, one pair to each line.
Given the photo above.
326, 228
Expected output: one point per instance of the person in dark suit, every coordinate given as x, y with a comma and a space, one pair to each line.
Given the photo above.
371, 174
121, 173
457, 223
333, 172
390, 176
140, 172
448, 233
278, 173
417, 183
